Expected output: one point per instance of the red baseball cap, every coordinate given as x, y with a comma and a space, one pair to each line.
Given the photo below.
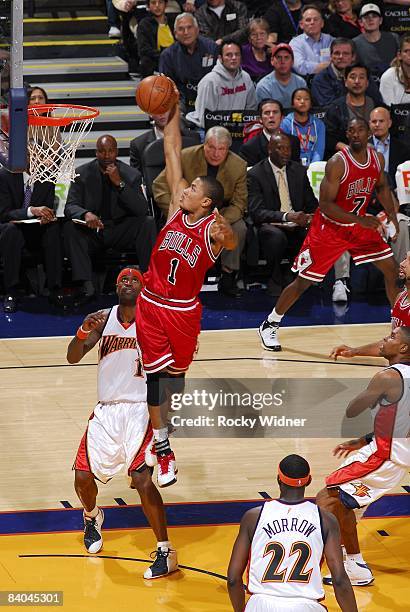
282, 47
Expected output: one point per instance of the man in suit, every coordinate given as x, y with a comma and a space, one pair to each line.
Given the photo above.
280, 204
110, 211
395, 152
140, 143
18, 203
214, 158
256, 148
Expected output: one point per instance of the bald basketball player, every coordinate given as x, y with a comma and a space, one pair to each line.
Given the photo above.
119, 433
382, 458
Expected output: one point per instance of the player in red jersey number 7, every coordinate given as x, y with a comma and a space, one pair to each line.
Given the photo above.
341, 224
168, 308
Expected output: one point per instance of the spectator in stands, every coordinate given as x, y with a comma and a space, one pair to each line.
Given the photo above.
114, 21
395, 152
312, 48
281, 203
256, 148
223, 19
354, 104
139, 144
374, 48
226, 87
154, 35
284, 19
343, 20
131, 13
214, 158
18, 203
395, 82
36, 95
189, 59
309, 130
109, 210
329, 84
256, 53
281, 82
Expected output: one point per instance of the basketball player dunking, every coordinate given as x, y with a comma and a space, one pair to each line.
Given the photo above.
119, 432
400, 316
168, 308
283, 543
340, 224
382, 458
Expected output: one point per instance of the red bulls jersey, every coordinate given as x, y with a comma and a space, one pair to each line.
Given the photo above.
400, 316
179, 261
357, 183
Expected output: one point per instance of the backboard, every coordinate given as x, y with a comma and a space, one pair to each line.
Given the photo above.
13, 97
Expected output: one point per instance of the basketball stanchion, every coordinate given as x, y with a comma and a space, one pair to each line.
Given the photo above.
55, 132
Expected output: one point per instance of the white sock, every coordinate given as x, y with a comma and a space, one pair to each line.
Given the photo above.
92, 513
164, 545
160, 434
357, 558
274, 317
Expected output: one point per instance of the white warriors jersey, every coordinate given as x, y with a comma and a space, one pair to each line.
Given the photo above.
392, 423
120, 374
286, 551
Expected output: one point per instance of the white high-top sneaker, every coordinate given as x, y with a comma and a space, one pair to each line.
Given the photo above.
359, 574
165, 563
268, 333
92, 532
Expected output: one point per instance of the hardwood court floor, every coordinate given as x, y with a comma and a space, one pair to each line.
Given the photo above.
44, 408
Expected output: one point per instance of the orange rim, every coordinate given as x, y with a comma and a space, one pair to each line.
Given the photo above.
37, 119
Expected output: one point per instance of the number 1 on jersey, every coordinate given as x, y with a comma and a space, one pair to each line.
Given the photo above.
172, 272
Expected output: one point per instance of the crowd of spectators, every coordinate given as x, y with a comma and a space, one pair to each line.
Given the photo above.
301, 70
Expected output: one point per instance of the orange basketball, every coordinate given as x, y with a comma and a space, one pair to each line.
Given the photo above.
156, 94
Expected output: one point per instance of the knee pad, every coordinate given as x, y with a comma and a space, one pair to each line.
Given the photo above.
156, 388
176, 384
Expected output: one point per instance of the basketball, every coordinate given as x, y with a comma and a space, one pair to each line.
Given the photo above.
156, 94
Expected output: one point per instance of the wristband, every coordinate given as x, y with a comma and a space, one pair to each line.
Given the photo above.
285, 218
82, 334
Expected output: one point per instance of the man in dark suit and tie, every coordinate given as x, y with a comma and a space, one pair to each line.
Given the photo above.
280, 204
395, 152
140, 143
28, 221
256, 148
108, 210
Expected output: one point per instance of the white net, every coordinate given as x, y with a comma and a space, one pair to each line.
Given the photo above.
52, 147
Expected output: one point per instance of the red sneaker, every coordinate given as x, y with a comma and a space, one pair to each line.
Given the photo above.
167, 470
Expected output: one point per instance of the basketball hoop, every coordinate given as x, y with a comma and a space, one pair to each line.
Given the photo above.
54, 135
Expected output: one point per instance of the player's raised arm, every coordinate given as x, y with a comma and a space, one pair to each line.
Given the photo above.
173, 164
87, 336
239, 559
222, 235
334, 559
328, 192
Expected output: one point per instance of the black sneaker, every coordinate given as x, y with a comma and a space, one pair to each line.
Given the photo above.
268, 333
165, 563
92, 532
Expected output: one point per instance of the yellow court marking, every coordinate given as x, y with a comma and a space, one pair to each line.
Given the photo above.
107, 584
86, 65
59, 19
52, 43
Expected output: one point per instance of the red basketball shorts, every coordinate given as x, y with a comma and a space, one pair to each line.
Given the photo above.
167, 336
327, 240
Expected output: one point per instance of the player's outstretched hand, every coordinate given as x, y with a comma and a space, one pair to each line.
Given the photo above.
342, 351
93, 320
343, 450
221, 231
369, 222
